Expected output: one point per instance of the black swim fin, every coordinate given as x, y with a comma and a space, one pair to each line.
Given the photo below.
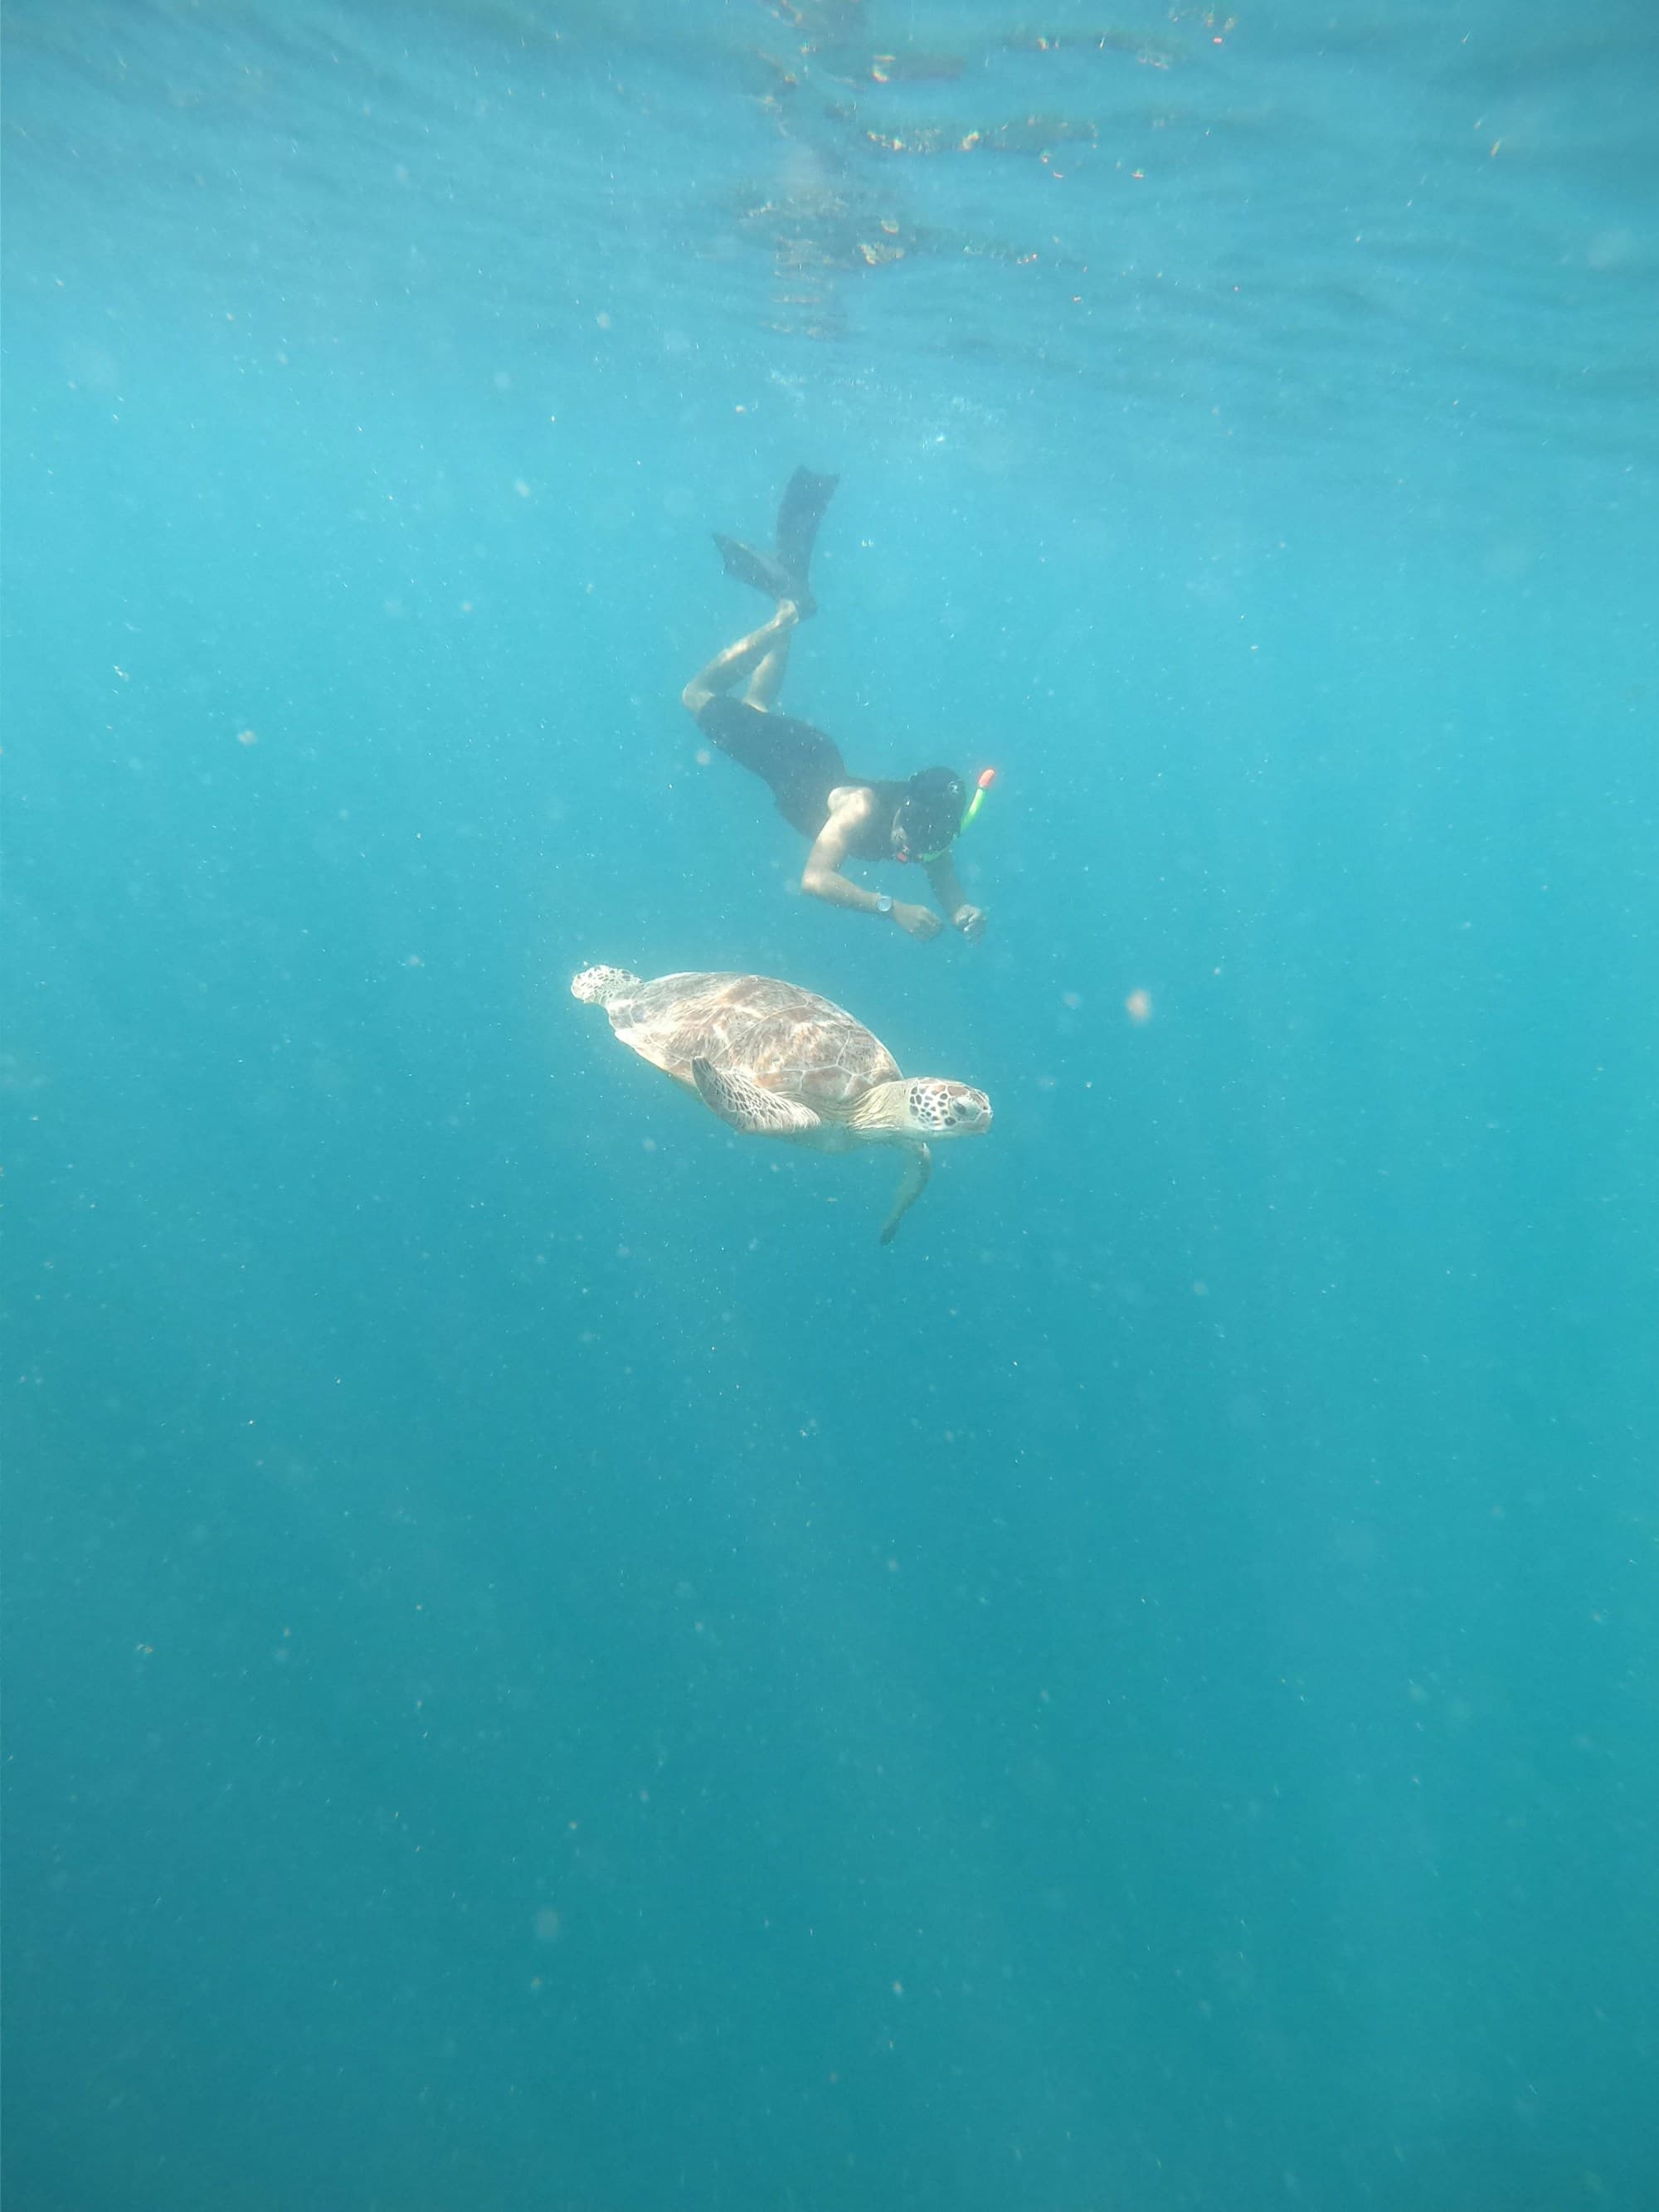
751, 566
782, 574
799, 513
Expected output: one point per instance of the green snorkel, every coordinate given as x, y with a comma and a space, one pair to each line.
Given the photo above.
987, 777
970, 814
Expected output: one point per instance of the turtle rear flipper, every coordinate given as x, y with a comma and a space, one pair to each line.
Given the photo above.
744, 1106
918, 1166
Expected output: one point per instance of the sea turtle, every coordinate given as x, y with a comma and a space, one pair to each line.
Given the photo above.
774, 1060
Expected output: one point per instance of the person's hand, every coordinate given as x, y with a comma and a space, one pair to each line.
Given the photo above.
970, 920
918, 921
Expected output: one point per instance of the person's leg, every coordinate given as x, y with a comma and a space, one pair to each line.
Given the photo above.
767, 681
729, 668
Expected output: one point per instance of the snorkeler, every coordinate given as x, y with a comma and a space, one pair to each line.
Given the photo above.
843, 817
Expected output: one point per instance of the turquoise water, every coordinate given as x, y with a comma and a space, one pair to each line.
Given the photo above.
544, 1669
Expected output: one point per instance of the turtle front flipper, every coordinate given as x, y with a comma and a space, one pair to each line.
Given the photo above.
918, 1166
744, 1106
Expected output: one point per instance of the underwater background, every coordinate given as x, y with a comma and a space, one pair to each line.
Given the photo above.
544, 1668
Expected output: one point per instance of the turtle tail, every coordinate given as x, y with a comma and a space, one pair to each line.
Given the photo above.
598, 986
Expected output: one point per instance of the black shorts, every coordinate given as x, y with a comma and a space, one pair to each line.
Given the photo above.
799, 764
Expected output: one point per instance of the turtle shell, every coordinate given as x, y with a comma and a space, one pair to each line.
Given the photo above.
778, 1035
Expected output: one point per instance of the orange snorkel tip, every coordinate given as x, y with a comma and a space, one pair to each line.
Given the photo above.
987, 777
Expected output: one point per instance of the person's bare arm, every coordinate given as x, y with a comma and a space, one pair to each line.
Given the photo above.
952, 905
822, 878
728, 669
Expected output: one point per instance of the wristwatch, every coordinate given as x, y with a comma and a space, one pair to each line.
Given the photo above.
883, 903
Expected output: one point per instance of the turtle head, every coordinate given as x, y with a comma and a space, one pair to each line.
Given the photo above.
597, 987
932, 1108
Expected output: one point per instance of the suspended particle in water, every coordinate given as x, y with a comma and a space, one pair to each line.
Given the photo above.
1138, 1006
